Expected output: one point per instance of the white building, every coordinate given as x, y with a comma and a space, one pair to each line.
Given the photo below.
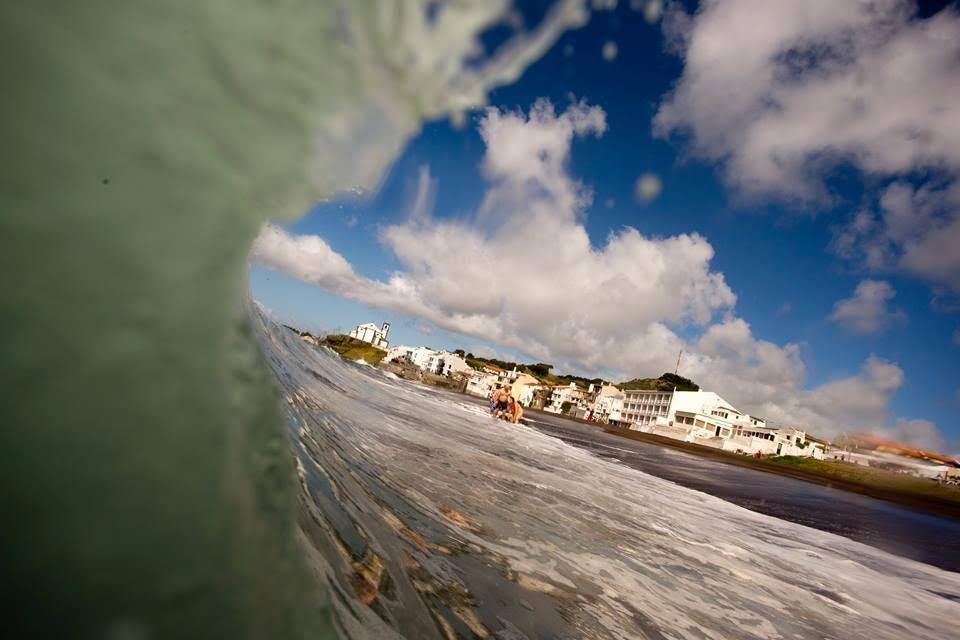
775, 441
439, 362
608, 404
523, 387
704, 418
456, 364
481, 383
644, 407
369, 332
566, 393
706, 412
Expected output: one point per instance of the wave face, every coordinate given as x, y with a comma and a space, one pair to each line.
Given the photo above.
429, 519
147, 490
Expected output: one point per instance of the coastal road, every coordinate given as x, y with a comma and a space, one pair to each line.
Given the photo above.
899, 530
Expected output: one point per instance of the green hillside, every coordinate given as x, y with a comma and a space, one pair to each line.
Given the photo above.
354, 349
666, 382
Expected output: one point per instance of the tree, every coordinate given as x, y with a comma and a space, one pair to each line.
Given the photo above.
541, 369
565, 407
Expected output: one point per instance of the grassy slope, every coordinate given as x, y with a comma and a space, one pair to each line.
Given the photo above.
868, 476
666, 382
918, 493
354, 349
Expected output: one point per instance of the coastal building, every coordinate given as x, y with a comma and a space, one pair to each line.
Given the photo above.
705, 418
441, 363
493, 370
368, 332
776, 441
481, 383
706, 412
608, 404
566, 395
641, 407
524, 387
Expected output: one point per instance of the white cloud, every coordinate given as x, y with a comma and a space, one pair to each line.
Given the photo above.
916, 230
648, 187
867, 311
523, 273
484, 351
769, 380
779, 91
425, 195
425, 328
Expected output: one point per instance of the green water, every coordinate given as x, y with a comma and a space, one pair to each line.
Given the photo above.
147, 485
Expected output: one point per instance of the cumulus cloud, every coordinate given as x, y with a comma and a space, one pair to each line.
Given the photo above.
768, 380
523, 273
915, 230
779, 91
867, 311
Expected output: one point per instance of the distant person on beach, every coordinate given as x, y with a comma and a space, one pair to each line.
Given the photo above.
515, 409
500, 402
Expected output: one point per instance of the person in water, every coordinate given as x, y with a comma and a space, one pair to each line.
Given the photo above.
500, 402
515, 410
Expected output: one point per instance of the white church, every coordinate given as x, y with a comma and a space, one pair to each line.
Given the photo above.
369, 332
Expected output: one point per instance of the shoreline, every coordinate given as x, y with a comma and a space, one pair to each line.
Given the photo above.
916, 500
931, 504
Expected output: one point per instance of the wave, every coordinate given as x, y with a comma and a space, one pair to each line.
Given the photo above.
147, 490
432, 520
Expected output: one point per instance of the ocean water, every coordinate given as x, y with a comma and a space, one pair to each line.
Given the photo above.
147, 486
430, 518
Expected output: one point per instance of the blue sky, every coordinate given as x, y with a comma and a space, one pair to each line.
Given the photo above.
776, 247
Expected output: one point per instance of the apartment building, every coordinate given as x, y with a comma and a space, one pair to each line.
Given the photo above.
642, 407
